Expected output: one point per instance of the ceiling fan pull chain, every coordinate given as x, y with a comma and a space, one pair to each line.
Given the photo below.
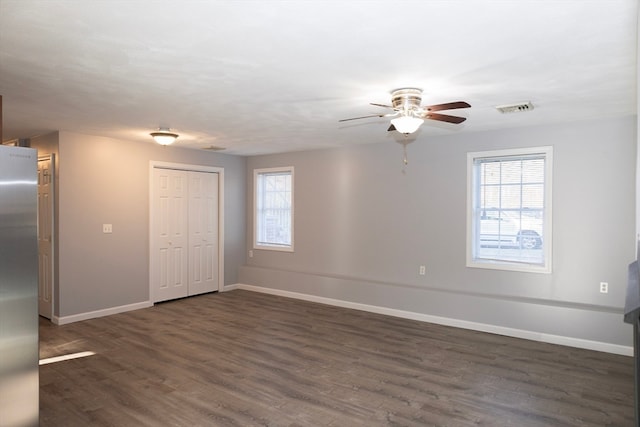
404, 158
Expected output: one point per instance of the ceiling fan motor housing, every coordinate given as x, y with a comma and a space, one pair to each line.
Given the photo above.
406, 99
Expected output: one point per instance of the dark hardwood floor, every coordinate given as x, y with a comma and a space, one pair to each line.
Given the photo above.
245, 359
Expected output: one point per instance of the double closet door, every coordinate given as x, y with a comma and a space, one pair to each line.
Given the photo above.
184, 227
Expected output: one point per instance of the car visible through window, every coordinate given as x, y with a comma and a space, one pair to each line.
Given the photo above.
510, 229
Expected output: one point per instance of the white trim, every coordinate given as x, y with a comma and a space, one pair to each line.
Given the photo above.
100, 313
547, 236
464, 324
153, 164
281, 248
184, 166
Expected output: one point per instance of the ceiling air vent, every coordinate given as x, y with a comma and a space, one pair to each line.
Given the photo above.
214, 148
515, 108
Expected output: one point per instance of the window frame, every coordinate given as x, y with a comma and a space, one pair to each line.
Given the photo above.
267, 171
547, 235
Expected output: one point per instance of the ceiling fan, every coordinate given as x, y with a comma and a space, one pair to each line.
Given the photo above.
409, 114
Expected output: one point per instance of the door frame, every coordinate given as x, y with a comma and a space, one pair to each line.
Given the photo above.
153, 164
52, 158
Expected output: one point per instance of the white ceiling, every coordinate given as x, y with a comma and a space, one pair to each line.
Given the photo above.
272, 76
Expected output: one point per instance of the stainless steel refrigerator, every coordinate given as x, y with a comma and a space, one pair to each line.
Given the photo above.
19, 384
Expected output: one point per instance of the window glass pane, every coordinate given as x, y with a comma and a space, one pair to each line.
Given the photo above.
533, 196
510, 196
490, 196
533, 171
491, 173
511, 172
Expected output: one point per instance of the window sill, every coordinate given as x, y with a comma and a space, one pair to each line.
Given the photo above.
273, 248
510, 266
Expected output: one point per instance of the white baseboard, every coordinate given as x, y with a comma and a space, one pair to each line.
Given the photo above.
100, 313
464, 324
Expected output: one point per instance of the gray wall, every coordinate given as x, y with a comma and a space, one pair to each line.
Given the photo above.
362, 228
104, 180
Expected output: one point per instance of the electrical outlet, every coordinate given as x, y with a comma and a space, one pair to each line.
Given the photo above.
604, 287
107, 228
250, 254
423, 270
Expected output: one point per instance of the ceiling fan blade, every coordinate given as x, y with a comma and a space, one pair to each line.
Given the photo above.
363, 117
391, 128
381, 105
447, 106
445, 118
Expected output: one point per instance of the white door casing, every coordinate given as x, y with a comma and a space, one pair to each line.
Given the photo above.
195, 265
45, 235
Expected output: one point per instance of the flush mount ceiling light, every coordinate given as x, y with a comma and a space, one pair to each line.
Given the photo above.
164, 136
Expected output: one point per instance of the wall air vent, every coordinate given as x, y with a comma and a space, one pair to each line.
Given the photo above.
515, 108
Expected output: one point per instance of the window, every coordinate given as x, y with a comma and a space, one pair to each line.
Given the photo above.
273, 218
509, 209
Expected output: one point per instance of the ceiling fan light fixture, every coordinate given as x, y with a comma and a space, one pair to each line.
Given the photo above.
407, 124
164, 136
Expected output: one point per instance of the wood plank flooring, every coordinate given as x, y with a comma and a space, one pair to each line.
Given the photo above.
247, 359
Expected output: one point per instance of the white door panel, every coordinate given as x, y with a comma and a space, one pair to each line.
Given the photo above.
169, 269
45, 236
203, 227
